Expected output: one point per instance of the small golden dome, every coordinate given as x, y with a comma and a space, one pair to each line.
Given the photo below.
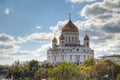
54, 39
62, 37
86, 37
70, 27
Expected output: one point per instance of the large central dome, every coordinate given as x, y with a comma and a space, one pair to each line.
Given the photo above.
70, 27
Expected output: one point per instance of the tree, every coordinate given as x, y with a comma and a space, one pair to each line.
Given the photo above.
106, 70
118, 77
16, 71
46, 65
65, 71
87, 72
41, 73
26, 71
33, 66
89, 62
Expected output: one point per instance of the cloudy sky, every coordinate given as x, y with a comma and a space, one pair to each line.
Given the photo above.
27, 26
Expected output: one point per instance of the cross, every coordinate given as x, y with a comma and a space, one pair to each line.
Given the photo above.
86, 32
69, 16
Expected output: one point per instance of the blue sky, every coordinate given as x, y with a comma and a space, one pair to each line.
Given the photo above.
25, 15
27, 26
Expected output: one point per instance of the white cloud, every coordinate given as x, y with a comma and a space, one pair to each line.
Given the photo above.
39, 54
112, 4
7, 45
6, 38
6, 11
79, 1
103, 22
38, 27
101, 8
10, 51
19, 55
102, 16
58, 27
35, 37
111, 46
42, 50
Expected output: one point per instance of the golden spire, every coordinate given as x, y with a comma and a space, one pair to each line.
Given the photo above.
54, 39
69, 16
86, 32
86, 37
70, 27
62, 37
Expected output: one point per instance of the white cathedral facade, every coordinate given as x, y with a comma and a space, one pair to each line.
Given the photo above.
69, 48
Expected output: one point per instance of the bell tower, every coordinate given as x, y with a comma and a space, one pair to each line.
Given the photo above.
86, 40
54, 42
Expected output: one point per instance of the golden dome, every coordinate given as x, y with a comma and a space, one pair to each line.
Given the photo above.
70, 27
62, 37
54, 39
86, 37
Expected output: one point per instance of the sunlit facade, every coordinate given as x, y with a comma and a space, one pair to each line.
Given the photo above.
69, 48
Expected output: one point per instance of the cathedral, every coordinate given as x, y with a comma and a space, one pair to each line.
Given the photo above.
69, 48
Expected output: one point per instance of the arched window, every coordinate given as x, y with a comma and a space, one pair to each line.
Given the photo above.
84, 57
87, 44
69, 39
54, 58
84, 50
77, 49
71, 57
75, 39
63, 57
72, 38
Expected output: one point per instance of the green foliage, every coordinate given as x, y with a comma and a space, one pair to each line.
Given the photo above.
118, 77
87, 72
46, 65
65, 71
89, 62
1, 67
106, 68
41, 73
27, 70
32, 67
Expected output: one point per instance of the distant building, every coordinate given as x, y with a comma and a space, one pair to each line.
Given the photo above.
69, 48
114, 58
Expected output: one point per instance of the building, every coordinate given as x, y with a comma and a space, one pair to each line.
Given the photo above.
114, 58
69, 48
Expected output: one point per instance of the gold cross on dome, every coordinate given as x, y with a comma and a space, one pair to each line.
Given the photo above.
69, 16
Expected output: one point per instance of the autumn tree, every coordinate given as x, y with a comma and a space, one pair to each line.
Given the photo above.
106, 69
89, 62
118, 77
65, 71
